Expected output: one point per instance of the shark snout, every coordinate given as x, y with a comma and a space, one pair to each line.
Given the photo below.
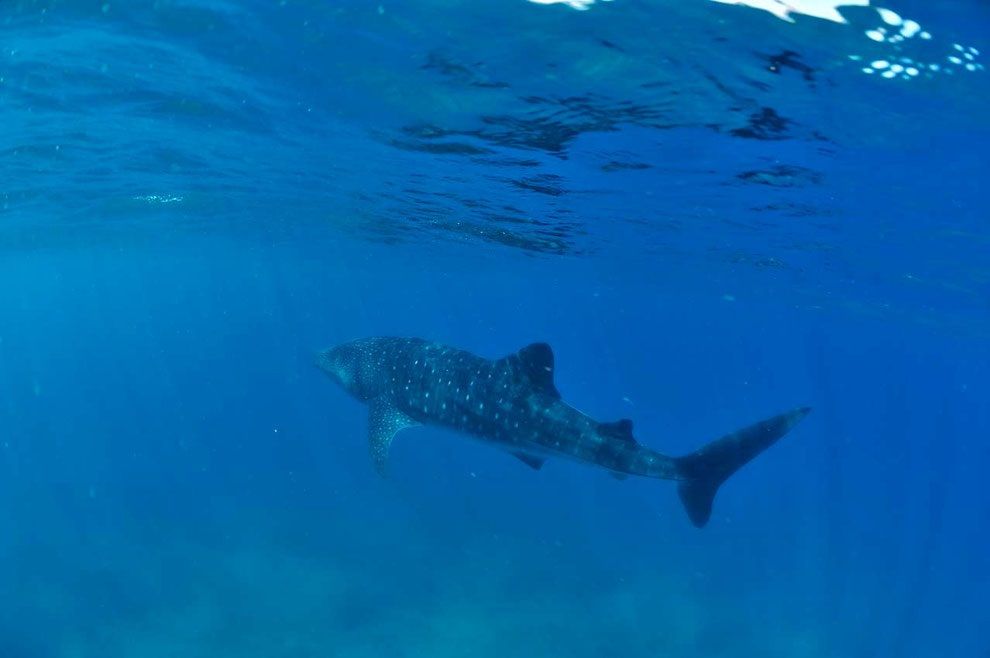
326, 362
355, 367
333, 363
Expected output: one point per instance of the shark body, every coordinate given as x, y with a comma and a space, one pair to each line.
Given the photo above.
514, 404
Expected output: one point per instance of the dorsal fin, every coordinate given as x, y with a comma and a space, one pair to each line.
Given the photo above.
620, 429
537, 362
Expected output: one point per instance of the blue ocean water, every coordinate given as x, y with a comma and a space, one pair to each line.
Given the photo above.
712, 214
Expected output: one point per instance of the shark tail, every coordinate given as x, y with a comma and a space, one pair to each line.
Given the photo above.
702, 472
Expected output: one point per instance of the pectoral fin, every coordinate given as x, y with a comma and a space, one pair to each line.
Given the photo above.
534, 463
384, 422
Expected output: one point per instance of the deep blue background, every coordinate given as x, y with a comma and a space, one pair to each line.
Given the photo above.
197, 196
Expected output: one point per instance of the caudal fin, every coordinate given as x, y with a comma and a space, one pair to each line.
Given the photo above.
704, 470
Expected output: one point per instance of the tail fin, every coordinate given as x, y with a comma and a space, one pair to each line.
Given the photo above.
704, 470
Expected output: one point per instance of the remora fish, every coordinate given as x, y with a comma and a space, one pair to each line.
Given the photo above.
513, 403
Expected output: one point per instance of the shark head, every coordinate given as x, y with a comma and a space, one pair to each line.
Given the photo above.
356, 366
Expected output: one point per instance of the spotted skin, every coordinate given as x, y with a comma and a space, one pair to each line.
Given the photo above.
513, 403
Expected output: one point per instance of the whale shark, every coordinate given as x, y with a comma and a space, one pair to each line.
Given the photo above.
513, 403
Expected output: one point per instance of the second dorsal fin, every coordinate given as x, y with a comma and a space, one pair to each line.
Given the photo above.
537, 363
620, 429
